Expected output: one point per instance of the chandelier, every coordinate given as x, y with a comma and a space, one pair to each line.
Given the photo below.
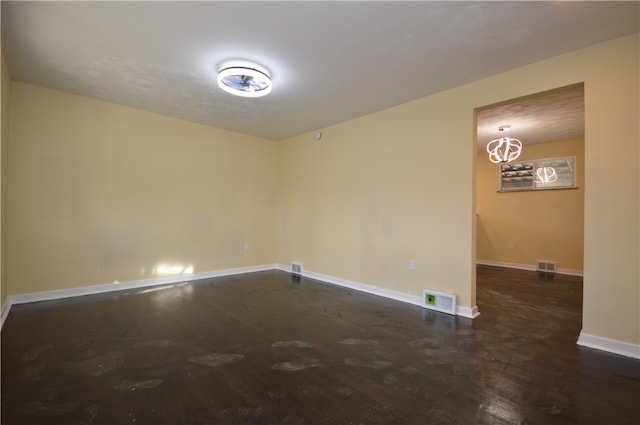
504, 149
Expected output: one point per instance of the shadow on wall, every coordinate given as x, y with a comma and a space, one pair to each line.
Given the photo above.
488, 249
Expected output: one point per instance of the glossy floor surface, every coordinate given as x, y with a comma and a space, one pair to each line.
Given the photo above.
264, 348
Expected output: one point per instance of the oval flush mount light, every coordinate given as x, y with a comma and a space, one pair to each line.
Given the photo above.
244, 81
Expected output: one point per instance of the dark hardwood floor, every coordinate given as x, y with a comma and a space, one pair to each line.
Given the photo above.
265, 348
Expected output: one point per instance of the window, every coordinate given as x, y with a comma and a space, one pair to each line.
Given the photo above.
540, 174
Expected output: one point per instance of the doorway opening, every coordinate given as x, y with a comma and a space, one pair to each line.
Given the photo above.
523, 228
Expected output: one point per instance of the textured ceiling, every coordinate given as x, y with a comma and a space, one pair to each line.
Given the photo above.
540, 118
330, 61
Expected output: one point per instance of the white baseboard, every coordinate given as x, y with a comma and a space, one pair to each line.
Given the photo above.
586, 340
111, 287
611, 345
469, 312
5, 312
529, 267
132, 284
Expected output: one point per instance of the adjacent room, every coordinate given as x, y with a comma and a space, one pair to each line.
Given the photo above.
287, 213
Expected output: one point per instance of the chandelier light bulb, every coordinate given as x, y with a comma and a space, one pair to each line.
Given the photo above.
504, 149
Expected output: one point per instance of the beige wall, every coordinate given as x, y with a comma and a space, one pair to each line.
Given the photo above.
542, 225
396, 185
612, 192
101, 193
5, 92
379, 191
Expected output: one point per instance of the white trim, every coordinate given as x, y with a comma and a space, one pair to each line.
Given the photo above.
611, 345
586, 340
282, 268
369, 289
133, 284
529, 267
6, 307
469, 312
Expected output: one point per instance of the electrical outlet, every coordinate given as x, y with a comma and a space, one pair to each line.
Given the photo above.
511, 245
412, 264
246, 246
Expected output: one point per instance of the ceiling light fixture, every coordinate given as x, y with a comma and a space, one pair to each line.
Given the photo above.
244, 81
504, 149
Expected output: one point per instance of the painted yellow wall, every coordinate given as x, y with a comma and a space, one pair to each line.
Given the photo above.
101, 193
5, 92
399, 184
612, 192
542, 225
379, 191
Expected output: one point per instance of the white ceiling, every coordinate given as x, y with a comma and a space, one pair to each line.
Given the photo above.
329, 61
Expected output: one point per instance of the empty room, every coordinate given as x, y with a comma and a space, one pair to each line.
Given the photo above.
320, 212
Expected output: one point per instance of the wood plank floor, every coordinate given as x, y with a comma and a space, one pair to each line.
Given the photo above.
265, 348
